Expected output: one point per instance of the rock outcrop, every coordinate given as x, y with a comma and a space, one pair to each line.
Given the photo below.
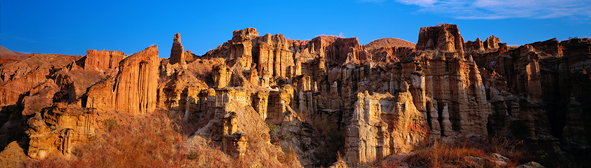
492, 42
237, 127
177, 53
382, 125
474, 45
103, 60
445, 38
134, 87
13, 156
266, 95
58, 129
18, 78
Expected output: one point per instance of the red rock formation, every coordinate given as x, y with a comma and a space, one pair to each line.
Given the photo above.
492, 42
177, 54
476, 45
389, 49
17, 78
382, 125
389, 42
189, 57
549, 48
39, 97
444, 38
102, 60
12, 90
58, 129
274, 56
133, 89
537, 91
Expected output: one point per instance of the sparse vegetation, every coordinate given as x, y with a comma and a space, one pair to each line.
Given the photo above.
273, 128
440, 154
192, 155
111, 123
153, 141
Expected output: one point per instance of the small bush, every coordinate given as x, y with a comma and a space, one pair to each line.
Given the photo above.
192, 155
273, 128
111, 123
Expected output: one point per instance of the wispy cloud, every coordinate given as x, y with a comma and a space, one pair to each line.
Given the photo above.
423, 3
501, 9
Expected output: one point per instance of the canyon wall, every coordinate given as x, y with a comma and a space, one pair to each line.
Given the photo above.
133, 89
313, 97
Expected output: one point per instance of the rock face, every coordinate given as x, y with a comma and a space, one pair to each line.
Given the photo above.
58, 129
236, 127
39, 97
17, 78
225, 127
382, 125
133, 89
311, 97
536, 91
445, 38
476, 45
177, 54
103, 60
492, 42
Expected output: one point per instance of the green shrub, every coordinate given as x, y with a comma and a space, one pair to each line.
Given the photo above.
273, 129
192, 155
111, 123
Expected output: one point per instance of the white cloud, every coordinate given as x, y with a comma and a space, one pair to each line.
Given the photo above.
501, 9
423, 3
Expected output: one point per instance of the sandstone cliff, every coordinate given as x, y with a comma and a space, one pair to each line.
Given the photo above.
134, 87
270, 99
58, 129
102, 60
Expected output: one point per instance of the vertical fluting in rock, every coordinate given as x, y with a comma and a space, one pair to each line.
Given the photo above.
450, 80
133, 89
177, 54
221, 76
260, 103
381, 125
102, 60
137, 82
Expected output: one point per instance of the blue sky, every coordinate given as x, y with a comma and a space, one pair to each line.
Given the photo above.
72, 27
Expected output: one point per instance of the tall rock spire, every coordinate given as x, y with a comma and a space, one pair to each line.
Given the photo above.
177, 52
